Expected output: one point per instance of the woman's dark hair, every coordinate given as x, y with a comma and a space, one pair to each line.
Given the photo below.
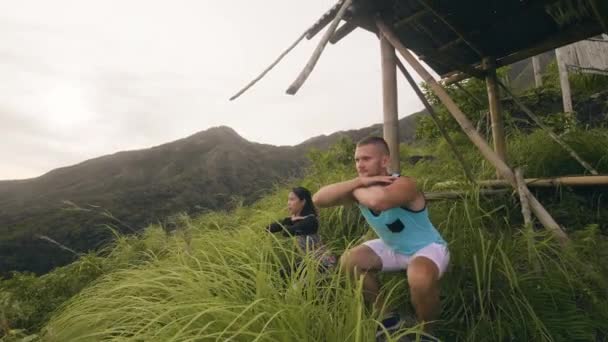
304, 194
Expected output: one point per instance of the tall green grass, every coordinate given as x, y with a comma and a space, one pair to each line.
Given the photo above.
221, 276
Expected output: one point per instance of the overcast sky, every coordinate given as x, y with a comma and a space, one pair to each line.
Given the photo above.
85, 78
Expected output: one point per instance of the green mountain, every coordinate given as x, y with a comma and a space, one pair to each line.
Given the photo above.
209, 170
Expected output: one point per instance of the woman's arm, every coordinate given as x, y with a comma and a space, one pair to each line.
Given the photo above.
306, 226
276, 227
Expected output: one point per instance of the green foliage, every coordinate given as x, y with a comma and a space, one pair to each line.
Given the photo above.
541, 156
582, 84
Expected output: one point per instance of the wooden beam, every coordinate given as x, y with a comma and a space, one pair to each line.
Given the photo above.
450, 60
549, 131
498, 130
342, 32
573, 181
450, 44
389, 102
467, 170
506, 172
413, 17
459, 33
260, 76
295, 86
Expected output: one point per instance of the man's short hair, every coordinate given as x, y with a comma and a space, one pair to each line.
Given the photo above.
378, 141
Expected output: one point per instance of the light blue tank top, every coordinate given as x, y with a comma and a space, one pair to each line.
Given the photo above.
403, 230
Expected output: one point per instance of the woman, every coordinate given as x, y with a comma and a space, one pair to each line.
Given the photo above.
304, 225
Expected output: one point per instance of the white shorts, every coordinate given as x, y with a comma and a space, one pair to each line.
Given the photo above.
393, 261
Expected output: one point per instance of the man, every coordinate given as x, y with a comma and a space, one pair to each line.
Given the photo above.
408, 241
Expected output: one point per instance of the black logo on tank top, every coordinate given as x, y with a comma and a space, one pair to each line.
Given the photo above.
396, 227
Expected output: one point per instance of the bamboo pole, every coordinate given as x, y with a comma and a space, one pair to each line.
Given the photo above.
255, 80
447, 195
342, 32
433, 114
549, 131
295, 86
573, 181
540, 212
498, 130
390, 102
523, 199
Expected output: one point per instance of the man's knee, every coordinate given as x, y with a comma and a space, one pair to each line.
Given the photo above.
360, 259
422, 275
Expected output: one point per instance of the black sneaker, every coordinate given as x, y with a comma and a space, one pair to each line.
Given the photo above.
388, 325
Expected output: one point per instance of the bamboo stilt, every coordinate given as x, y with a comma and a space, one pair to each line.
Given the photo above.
295, 86
540, 212
431, 110
549, 131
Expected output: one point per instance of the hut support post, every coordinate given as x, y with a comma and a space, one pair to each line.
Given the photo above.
541, 213
498, 131
538, 77
389, 102
563, 79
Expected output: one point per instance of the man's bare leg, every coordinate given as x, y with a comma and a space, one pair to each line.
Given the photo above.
423, 280
362, 261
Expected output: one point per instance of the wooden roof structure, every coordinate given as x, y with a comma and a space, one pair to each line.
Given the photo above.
452, 37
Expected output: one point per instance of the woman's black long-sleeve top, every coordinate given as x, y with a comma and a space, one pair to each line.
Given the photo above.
306, 226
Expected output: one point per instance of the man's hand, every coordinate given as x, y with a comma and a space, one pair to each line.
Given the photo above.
401, 191
376, 180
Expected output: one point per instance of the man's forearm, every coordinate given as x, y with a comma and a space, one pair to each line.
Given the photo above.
370, 197
336, 194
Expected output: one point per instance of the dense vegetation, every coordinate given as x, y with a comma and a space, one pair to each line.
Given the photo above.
218, 276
